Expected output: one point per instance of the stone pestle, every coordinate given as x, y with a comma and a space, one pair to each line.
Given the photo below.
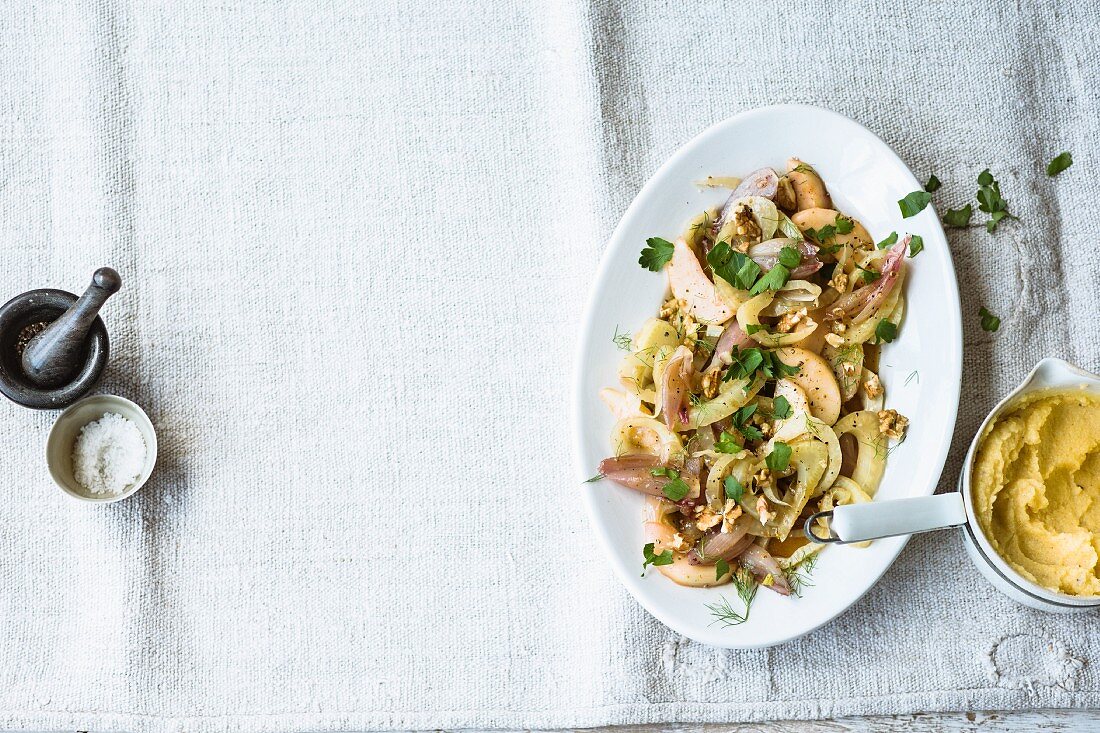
56, 354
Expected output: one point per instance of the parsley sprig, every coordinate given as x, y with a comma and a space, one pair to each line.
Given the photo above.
914, 203
734, 489
886, 331
727, 443
990, 322
732, 266
958, 217
740, 420
779, 459
652, 558
890, 241
676, 488
826, 235
747, 362
656, 254
990, 200
1059, 164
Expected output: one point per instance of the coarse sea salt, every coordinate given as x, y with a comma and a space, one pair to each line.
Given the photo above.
108, 455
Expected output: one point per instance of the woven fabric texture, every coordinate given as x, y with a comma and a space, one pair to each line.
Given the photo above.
356, 240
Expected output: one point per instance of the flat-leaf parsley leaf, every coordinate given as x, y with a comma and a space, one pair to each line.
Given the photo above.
990, 322
780, 457
1059, 164
726, 443
914, 203
916, 244
789, 257
990, 200
721, 568
657, 254
732, 266
651, 558
958, 217
734, 489
773, 279
886, 331
676, 489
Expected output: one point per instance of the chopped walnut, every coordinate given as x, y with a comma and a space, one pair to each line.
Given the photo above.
891, 424
745, 223
765, 429
763, 478
872, 385
848, 368
764, 510
838, 326
707, 519
834, 340
730, 512
839, 280
790, 320
712, 379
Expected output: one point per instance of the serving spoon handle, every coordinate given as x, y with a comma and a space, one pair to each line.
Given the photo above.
876, 520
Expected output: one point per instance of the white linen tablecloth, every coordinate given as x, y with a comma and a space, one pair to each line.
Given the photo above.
356, 240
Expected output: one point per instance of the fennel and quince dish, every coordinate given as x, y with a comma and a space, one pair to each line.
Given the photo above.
752, 399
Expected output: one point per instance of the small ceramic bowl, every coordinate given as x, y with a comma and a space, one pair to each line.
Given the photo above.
874, 520
59, 445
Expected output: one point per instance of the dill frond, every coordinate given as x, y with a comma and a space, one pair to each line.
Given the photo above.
798, 576
723, 610
623, 340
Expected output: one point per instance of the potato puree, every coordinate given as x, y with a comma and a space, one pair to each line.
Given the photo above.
1036, 489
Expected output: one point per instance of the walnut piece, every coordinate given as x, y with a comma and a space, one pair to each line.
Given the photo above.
891, 424
712, 379
745, 224
839, 280
707, 520
790, 320
763, 510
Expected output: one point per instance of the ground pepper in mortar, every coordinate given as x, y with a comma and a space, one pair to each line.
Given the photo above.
28, 333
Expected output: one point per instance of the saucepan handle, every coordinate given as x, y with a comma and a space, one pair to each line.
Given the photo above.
875, 520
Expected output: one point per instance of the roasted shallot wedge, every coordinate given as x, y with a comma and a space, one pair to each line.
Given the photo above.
766, 254
861, 303
725, 545
762, 565
635, 471
674, 393
761, 182
732, 339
